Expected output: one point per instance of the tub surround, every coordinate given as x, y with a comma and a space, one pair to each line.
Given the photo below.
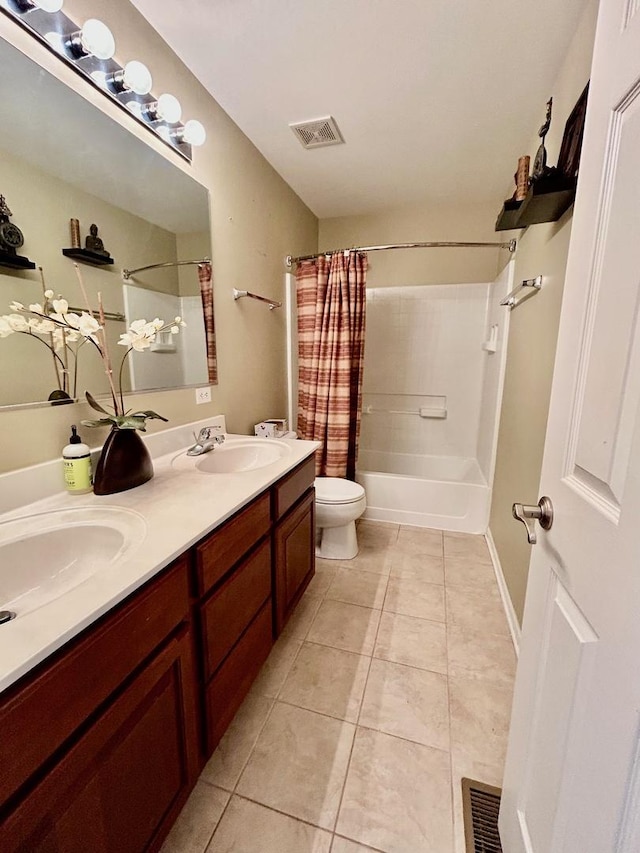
178, 507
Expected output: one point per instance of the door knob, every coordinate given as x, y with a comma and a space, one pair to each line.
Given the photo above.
528, 515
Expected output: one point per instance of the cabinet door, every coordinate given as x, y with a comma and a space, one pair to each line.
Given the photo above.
123, 783
294, 550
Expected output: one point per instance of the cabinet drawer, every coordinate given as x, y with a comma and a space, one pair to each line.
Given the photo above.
38, 716
292, 487
228, 612
231, 683
217, 554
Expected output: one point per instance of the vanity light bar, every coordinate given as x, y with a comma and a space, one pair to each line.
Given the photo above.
89, 50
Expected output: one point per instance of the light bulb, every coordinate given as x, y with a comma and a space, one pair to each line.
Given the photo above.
137, 77
169, 108
194, 133
97, 40
48, 5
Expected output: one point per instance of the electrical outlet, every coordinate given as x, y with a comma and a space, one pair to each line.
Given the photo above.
203, 395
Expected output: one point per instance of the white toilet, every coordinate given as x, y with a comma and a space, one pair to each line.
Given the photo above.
338, 504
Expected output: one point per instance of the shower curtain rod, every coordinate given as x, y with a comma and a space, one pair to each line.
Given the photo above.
126, 274
511, 246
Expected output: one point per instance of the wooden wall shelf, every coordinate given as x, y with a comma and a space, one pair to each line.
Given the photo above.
543, 203
15, 262
88, 257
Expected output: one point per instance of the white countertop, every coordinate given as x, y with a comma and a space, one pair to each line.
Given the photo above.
179, 507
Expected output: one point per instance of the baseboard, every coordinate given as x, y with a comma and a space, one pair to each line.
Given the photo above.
510, 613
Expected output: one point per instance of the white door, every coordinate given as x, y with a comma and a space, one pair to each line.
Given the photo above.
572, 779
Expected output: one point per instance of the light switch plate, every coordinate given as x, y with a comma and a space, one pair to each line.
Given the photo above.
203, 395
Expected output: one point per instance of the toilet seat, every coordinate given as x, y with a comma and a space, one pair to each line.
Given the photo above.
336, 490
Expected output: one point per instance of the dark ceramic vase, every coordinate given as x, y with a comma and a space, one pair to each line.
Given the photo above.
124, 463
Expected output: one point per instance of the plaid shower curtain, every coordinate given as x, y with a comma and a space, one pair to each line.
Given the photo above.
206, 293
331, 319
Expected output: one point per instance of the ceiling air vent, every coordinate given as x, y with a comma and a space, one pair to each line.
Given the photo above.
317, 132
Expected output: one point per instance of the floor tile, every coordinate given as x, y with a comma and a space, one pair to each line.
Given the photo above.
415, 598
197, 820
469, 573
377, 533
225, 765
330, 681
299, 764
345, 626
412, 641
407, 702
479, 652
302, 617
421, 567
397, 796
476, 609
251, 828
343, 845
421, 540
276, 668
356, 587
466, 545
480, 711
321, 581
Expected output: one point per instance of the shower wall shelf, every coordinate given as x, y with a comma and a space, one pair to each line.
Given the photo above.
239, 294
524, 290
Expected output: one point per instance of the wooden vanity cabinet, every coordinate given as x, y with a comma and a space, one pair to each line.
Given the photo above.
100, 743
293, 510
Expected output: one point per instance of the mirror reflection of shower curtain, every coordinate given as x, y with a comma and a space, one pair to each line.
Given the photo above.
205, 278
331, 299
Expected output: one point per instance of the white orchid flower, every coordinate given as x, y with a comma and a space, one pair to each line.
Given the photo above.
179, 321
157, 324
60, 306
48, 294
17, 322
36, 308
175, 330
16, 306
136, 340
68, 319
5, 327
87, 325
42, 327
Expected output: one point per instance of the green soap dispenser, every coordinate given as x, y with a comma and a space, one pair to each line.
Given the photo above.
76, 459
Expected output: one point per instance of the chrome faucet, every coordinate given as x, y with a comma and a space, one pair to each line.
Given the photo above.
206, 440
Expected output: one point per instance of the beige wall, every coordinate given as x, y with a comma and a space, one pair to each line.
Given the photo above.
256, 221
473, 223
542, 249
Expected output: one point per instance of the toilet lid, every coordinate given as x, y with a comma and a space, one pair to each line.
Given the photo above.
336, 490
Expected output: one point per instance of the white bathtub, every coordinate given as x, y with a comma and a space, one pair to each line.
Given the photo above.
446, 492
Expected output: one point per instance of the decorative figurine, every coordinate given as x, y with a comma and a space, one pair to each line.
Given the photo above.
93, 243
521, 178
11, 237
74, 233
540, 169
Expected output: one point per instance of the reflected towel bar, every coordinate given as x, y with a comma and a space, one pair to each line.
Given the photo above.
108, 315
523, 291
238, 294
126, 274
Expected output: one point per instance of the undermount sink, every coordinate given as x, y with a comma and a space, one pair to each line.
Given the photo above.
235, 456
45, 555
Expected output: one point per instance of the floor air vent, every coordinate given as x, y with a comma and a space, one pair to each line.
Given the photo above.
481, 804
317, 132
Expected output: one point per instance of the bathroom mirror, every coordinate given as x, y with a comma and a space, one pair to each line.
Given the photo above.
62, 158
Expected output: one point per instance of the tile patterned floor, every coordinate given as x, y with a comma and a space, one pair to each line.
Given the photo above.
392, 680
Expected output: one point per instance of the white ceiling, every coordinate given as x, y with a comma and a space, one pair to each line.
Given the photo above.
436, 99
